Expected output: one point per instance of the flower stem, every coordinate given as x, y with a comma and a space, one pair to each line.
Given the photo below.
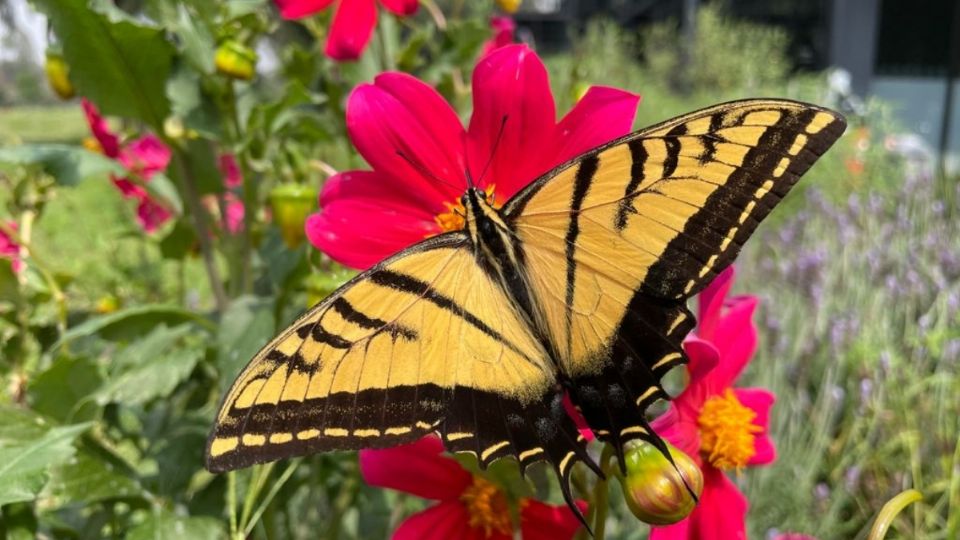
200, 224
890, 510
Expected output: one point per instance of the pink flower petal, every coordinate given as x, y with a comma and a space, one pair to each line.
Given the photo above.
404, 129
235, 212
681, 430
145, 156
539, 521
151, 215
418, 468
503, 28
443, 521
677, 531
129, 189
230, 169
109, 142
711, 303
578, 418
9, 249
703, 356
760, 400
602, 115
373, 186
361, 232
722, 510
511, 91
351, 29
297, 9
401, 7
736, 340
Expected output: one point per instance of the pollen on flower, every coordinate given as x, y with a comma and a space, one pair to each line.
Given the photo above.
454, 218
727, 431
487, 507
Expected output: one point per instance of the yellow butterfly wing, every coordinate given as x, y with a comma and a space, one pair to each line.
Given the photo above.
615, 241
423, 342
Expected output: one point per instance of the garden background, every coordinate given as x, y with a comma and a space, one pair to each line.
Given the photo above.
136, 281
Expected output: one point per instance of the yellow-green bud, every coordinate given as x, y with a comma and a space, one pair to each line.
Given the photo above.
579, 90
291, 204
58, 75
235, 60
509, 6
654, 490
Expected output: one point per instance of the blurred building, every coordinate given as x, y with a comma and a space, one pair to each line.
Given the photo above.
906, 52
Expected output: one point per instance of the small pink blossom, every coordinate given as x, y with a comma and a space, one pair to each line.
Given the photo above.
353, 21
503, 28
143, 158
9, 248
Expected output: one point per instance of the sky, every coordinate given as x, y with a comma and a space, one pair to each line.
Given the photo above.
32, 24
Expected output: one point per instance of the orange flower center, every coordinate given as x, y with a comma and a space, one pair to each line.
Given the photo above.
727, 431
92, 145
454, 218
487, 507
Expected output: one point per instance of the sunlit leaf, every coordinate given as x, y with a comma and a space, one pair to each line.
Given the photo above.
68, 165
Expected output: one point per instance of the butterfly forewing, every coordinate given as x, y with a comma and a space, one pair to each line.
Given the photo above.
618, 239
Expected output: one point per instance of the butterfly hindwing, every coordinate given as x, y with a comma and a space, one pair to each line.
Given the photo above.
616, 240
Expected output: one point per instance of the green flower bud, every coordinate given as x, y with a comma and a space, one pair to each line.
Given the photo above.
235, 60
291, 204
58, 75
654, 489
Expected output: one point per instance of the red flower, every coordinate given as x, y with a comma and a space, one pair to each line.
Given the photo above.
503, 28
143, 157
419, 152
720, 427
352, 24
9, 248
468, 506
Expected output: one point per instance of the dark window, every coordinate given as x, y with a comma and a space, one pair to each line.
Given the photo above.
914, 37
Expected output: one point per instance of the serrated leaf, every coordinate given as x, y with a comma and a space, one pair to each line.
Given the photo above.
151, 367
119, 65
62, 390
88, 478
164, 525
68, 165
28, 448
131, 322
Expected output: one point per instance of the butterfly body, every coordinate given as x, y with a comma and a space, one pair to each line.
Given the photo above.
576, 286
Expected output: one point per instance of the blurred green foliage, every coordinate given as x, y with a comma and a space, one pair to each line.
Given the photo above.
115, 346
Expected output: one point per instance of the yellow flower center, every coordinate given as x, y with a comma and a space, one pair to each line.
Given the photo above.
487, 507
727, 431
454, 218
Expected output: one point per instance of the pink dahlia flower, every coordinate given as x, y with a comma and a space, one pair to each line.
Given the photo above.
468, 506
352, 24
143, 158
419, 152
721, 427
503, 28
9, 248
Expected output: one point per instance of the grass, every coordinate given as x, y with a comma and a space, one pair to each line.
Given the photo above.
33, 124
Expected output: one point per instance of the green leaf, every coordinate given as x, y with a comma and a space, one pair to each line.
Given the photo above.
179, 241
131, 322
163, 525
152, 367
28, 448
119, 65
192, 104
9, 286
161, 186
198, 43
89, 478
68, 165
245, 327
61, 391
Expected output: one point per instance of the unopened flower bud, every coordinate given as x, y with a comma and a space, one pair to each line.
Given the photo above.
291, 204
579, 90
509, 6
58, 75
654, 489
235, 60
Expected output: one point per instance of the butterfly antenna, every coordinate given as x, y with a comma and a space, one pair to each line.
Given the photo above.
424, 171
493, 151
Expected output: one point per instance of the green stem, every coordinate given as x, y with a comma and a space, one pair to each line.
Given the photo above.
232, 503
248, 193
199, 217
274, 489
261, 474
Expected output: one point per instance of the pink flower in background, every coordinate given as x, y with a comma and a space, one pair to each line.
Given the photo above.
143, 158
468, 506
352, 24
503, 28
721, 427
419, 152
793, 536
232, 178
9, 249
